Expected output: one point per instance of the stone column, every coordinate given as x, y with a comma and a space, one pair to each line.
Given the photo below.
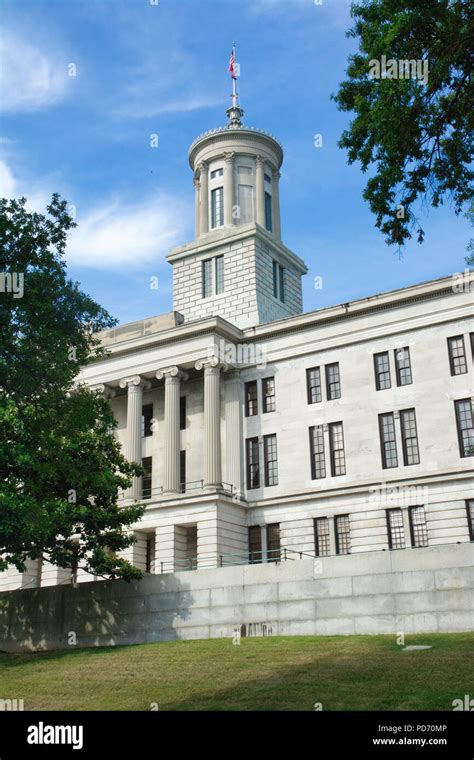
172, 376
228, 188
276, 204
204, 180
260, 190
197, 207
233, 428
212, 422
135, 386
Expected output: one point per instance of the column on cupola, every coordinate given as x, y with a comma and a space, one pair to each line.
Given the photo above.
197, 207
171, 473
260, 190
229, 188
212, 422
276, 204
233, 388
135, 386
204, 181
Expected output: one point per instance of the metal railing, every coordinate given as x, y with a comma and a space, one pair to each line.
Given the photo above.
213, 559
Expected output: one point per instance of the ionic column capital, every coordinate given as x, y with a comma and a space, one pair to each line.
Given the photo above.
171, 374
135, 382
104, 389
210, 364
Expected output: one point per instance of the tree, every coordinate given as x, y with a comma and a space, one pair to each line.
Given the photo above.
61, 467
410, 87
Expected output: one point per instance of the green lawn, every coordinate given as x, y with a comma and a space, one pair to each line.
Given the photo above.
276, 673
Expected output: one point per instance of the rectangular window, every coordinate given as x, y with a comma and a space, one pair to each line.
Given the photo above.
268, 212
403, 366
267, 178
217, 173
150, 554
336, 444
255, 544
343, 535
465, 426
206, 278
147, 417
268, 394
251, 401
270, 459
313, 385
278, 281
382, 371
418, 530
182, 413
281, 278
411, 453
273, 542
217, 207
253, 468
219, 274
182, 470
388, 443
470, 517
457, 355
322, 546
395, 529
316, 444
146, 478
333, 381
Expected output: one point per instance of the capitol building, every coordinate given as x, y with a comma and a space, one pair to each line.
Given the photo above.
270, 434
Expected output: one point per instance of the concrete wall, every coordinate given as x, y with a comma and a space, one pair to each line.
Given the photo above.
419, 590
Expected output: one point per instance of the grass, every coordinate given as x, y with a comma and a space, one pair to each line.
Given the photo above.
274, 673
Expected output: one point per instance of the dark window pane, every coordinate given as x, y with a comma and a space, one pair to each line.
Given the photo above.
419, 533
273, 542
470, 517
281, 277
147, 417
219, 274
336, 442
457, 355
275, 279
387, 441
313, 383
322, 546
268, 212
206, 278
271, 461
409, 437
251, 403
146, 478
268, 393
182, 413
343, 536
182, 470
253, 469
318, 462
396, 531
217, 207
382, 371
465, 426
333, 381
255, 544
403, 366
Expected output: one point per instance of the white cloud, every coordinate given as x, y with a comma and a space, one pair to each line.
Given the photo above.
30, 79
38, 194
120, 235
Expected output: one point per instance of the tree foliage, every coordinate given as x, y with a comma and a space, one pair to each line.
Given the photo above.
61, 467
414, 133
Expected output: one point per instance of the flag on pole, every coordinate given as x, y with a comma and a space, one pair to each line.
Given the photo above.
232, 64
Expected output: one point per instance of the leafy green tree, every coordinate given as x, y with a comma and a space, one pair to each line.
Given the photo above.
414, 132
61, 467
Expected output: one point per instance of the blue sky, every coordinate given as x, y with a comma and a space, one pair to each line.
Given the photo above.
141, 69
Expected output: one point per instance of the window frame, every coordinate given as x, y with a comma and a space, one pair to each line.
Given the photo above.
333, 451
268, 212
147, 478
378, 372
406, 438
182, 412
413, 525
452, 357
147, 422
321, 453
385, 465
319, 550
470, 518
250, 402
206, 278
270, 465
219, 274
463, 454
217, 207
344, 536
391, 528
252, 451
330, 383
255, 531
399, 368
268, 399
310, 387
273, 554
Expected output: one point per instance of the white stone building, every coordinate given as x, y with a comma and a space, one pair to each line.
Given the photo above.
266, 431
